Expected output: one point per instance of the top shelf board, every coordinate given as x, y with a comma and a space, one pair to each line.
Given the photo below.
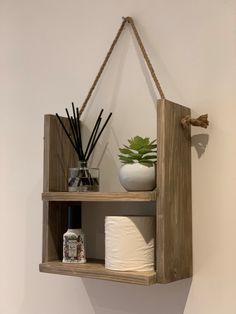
100, 196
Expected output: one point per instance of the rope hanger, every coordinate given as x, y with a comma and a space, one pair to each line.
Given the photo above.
145, 55
186, 121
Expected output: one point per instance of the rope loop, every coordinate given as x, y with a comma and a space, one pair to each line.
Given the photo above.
129, 20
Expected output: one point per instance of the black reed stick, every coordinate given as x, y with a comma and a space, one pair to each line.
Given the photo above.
96, 131
71, 126
76, 129
75, 123
92, 134
79, 132
93, 137
76, 137
68, 135
79, 145
95, 142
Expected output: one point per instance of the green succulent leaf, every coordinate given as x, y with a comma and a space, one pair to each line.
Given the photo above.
146, 151
147, 164
138, 142
140, 150
149, 157
153, 141
126, 160
125, 151
151, 146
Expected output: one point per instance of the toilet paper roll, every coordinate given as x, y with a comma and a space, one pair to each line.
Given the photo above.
129, 243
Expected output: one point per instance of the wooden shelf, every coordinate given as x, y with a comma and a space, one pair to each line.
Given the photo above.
96, 269
172, 201
100, 196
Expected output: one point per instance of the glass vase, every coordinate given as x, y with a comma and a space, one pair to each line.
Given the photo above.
88, 178
73, 179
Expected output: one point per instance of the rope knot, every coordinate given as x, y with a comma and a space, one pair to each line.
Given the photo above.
201, 121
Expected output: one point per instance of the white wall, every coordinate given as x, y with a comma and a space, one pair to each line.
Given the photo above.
50, 53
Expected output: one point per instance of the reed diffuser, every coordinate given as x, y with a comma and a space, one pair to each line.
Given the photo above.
86, 179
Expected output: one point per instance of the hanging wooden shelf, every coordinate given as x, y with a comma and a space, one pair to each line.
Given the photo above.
172, 199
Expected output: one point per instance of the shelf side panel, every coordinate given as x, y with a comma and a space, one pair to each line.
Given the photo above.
59, 155
174, 209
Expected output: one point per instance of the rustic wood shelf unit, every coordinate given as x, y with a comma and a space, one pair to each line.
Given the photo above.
172, 202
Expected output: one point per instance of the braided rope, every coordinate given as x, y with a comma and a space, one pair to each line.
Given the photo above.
146, 58
145, 55
102, 66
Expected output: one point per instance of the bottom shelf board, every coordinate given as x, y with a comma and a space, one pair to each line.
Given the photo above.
96, 269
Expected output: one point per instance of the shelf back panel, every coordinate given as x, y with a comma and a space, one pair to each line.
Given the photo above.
59, 155
54, 226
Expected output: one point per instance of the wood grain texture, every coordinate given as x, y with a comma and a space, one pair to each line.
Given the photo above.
54, 226
59, 155
96, 269
174, 213
100, 196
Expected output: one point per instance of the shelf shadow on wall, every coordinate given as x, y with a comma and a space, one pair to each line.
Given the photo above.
200, 142
112, 297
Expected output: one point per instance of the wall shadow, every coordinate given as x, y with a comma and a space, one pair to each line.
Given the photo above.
200, 142
113, 298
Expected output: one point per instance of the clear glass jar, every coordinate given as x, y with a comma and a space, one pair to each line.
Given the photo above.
73, 179
83, 179
87, 178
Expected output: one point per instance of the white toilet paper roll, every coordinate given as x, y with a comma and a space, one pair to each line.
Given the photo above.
129, 243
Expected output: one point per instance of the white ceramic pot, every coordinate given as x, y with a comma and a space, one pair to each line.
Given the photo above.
137, 177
